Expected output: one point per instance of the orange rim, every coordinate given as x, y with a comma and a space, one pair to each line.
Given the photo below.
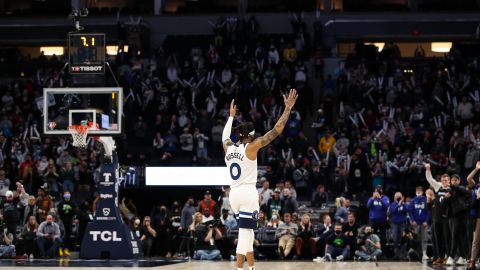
79, 129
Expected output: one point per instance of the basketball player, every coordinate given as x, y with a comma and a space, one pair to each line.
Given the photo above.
241, 160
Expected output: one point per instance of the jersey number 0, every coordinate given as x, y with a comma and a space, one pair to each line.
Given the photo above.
235, 171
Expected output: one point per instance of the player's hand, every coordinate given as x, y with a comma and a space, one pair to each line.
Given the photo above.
233, 108
290, 100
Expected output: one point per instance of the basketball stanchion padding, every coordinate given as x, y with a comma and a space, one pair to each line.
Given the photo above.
108, 145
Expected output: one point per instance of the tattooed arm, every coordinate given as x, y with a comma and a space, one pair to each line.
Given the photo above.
228, 127
263, 141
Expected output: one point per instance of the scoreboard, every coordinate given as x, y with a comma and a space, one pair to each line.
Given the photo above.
86, 53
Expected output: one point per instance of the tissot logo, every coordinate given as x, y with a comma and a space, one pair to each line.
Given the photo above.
87, 68
106, 196
105, 236
106, 211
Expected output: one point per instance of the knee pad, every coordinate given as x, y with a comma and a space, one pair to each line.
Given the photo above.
245, 241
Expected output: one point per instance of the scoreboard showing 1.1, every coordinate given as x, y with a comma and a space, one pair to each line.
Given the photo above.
86, 53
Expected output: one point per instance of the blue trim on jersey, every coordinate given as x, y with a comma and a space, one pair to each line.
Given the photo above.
245, 213
247, 223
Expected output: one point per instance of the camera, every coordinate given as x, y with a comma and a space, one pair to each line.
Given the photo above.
361, 238
213, 223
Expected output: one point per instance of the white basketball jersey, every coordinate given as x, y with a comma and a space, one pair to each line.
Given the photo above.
243, 171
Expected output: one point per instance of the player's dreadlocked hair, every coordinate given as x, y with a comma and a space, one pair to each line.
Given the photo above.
245, 130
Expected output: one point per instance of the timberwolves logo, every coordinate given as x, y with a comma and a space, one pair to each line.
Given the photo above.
106, 211
255, 215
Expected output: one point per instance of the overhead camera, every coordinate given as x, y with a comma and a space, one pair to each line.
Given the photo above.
76, 14
79, 13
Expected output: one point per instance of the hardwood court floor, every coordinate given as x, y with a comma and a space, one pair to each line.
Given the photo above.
262, 265
297, 265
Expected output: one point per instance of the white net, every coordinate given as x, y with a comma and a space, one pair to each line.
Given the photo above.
79, 135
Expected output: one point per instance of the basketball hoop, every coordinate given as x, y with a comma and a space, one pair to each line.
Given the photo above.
79, 135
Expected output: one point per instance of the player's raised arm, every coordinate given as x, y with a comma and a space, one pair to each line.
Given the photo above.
278, 128
226, 141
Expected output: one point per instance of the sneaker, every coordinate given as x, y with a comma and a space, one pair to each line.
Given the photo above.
232, 258
60, 252
339, 258
461, 261
328, 257
450, 261
30, 258
438, 261
318, 259
425, 257
66, 252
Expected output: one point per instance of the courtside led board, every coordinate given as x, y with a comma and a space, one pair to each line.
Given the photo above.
63, 107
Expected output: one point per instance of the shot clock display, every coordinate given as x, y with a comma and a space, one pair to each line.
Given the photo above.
86, 53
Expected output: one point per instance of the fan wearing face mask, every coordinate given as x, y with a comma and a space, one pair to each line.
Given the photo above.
337, 245
66, 211
274, 221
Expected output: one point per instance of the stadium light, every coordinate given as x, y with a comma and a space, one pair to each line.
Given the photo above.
379, 45
441, 47
49, 51
113, 49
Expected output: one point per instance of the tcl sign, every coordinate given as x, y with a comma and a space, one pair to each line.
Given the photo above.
105, 236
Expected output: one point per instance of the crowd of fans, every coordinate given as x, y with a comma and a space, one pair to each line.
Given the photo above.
378, 123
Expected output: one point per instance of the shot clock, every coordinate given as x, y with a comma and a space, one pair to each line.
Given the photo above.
86, 53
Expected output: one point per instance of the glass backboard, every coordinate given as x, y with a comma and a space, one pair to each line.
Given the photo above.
63, 107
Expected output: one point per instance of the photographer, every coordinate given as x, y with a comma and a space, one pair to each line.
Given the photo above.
48, 238
369, 245
206, 234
